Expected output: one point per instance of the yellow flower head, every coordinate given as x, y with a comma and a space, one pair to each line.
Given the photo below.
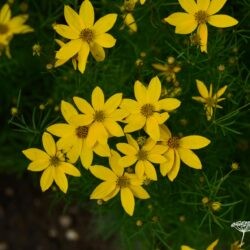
143, 156
102, 117
210, 247
148, 111
52, 162
209, 99
73, 137
10, 27
198, 14
85, 34
179, 149
115, 180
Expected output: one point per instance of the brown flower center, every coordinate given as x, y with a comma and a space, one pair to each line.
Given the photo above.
54, 161
99, 116
123, 182
201, 16
82, 131
173, 142
147, 110
210, 102
87, 35
3, 28
142, 155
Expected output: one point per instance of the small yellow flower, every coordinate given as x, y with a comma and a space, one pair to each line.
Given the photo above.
215, 206
148, 111
85, 35
115, 180
143, 156
52, 162
235, 166
205, 200
197, 15
179, 149
209, 99
14, 111
36, 49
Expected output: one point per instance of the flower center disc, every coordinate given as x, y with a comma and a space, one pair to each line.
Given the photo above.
54, 161
99, 116
82, 131
3, 29
173, 142
210, 102
123, 182
147, 110
201, 16
142, 155
87, 35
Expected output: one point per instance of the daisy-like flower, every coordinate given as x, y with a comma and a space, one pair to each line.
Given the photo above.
85, 35
210, 247
199, 13
10, 26
52, 162
148, 111
209, 99
73, 137
101, 117
115, 180
143, 156
179, 149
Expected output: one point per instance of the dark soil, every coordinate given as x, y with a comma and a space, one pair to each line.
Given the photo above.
27, 221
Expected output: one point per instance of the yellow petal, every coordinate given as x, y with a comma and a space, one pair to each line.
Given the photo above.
136, 122
168, 164
87, 14
212, 245
215, 6
112, 103
140, 92
199, 99
127, 160
140, 169
5, 14
97, 99
35, 154
86, 155
75, 150
189, 158
179, 18
165, 133
97, 52
69, 49
70, 169
66, 31
105, 40
128, 201
186, 27
139, 192
103, 190
114, 162
160, 67
72, 19
61, 179
156, 158
83, 56
130, 105
83, 105
132, 141
59, 62
150, 171
183, 247
112, 194
188, 5
61, 129
38, 165
105, 23
47, 178
102, 149
68, 111
152, 128
169, 104
202, 89
176, 167
49, 144
103, 173
154, 90
126, 149
203, 34
203, 4
222, 21
161, 118
113, 127
220, 92
193, 142
129, 20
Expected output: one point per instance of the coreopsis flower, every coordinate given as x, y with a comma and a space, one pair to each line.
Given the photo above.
209, 99
52, 162
179, 149
73, 137
197, 15
210, 247
128, 18
10, 26
115, 180
36, 49
148, 111
102, 117
85, 35
142, 155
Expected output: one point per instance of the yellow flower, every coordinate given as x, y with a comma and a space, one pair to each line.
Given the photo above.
143, 156
146, 111
73, 137
115, 180
179, 149
197, 16
36, 49
52, 162
10, 27
128, 18
85, 35
209, 99
102, 117
210, 247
